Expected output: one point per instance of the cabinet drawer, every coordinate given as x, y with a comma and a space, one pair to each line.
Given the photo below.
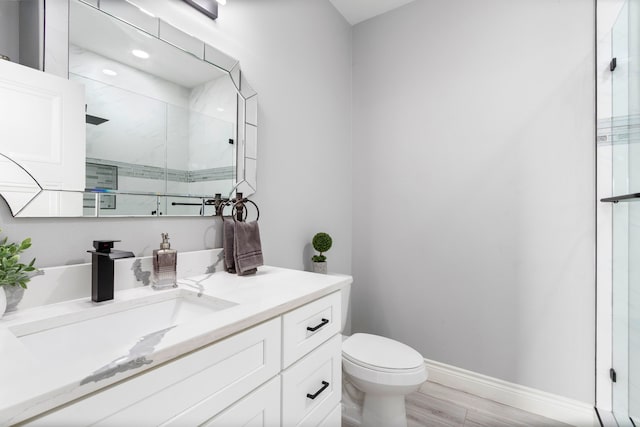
309, 326
259, 409
312, 387
196, 386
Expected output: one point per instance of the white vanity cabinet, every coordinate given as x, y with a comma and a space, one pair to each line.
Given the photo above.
312, 362
283, 372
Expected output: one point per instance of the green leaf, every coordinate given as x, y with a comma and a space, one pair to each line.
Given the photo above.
12, 271
26, 244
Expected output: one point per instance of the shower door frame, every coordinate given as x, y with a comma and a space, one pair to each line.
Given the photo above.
618, 234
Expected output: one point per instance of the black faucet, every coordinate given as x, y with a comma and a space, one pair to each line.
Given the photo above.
102, 268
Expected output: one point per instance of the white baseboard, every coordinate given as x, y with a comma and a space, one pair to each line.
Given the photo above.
528, 399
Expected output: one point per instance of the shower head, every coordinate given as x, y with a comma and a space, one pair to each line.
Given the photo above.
94, 120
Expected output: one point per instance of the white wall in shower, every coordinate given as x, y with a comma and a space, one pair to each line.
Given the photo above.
213, 109
474, 120
112, 97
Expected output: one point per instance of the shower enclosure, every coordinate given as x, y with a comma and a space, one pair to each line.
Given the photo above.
622, 133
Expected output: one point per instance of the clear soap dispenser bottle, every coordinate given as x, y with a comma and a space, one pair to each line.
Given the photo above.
165, 261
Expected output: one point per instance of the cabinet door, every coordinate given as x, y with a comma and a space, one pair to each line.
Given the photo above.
187, 391
259, 409
312, 387
334, 419
43, 131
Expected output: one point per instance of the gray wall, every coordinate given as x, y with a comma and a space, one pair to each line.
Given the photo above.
9, 29
19, 38
296, 54
473, 187
31, 12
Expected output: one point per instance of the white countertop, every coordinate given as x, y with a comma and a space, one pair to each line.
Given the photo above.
31, 383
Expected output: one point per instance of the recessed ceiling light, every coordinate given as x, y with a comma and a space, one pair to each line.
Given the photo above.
109, 72
220, 109
140, 53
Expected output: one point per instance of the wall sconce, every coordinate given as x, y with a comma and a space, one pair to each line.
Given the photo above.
208, 7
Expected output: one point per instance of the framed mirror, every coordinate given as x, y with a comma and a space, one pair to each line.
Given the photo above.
170, 121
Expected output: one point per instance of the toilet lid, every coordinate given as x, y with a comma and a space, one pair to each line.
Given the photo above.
381, 352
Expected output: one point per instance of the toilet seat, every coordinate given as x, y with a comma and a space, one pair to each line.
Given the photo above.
381, 369
380, 353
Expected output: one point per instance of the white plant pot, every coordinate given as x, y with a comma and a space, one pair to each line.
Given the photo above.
320, 267
3, 301
14, 295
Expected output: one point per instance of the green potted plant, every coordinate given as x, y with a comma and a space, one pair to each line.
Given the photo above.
322, 243
14, 275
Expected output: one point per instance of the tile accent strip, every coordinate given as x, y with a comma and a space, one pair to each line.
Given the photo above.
158, 173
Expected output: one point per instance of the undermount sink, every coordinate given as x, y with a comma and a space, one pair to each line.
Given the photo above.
117, 332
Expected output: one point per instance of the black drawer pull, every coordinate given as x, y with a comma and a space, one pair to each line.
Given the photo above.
317, 393
315, 328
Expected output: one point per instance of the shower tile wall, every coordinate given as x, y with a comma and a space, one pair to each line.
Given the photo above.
165, 120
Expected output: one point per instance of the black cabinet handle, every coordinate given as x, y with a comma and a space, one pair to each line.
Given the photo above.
317, 393
315, 328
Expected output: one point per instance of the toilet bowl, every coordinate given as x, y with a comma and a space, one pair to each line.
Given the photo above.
382, 371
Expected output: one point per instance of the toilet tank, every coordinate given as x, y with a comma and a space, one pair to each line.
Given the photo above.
345, 328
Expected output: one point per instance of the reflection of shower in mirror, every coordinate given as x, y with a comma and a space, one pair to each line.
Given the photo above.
94, 120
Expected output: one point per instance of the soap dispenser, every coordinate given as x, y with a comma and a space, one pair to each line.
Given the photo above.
165, 261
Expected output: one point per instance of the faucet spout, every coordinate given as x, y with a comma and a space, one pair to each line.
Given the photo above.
102, 269
117, 254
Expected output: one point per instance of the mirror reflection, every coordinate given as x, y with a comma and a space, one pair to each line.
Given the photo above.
159, 120
170, 122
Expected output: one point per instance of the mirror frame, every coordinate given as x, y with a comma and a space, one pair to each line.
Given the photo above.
247, 111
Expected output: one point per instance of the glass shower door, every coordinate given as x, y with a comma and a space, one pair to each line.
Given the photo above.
625, 127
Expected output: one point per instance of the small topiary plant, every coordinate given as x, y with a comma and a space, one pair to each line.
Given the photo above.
322, 243
12, 272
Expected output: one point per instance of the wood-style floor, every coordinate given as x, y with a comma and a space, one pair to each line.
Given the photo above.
438, 406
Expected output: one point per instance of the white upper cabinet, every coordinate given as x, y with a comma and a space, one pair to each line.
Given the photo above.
43, 139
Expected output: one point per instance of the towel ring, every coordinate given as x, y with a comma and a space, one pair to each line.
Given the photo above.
220, 210
246, 213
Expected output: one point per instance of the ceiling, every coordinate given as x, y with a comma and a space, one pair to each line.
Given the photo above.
356, 11
114, 40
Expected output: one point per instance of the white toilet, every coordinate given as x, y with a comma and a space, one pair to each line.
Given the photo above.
377, 374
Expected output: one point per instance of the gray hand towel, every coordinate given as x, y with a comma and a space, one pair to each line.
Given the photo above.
227, 245
247, 247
